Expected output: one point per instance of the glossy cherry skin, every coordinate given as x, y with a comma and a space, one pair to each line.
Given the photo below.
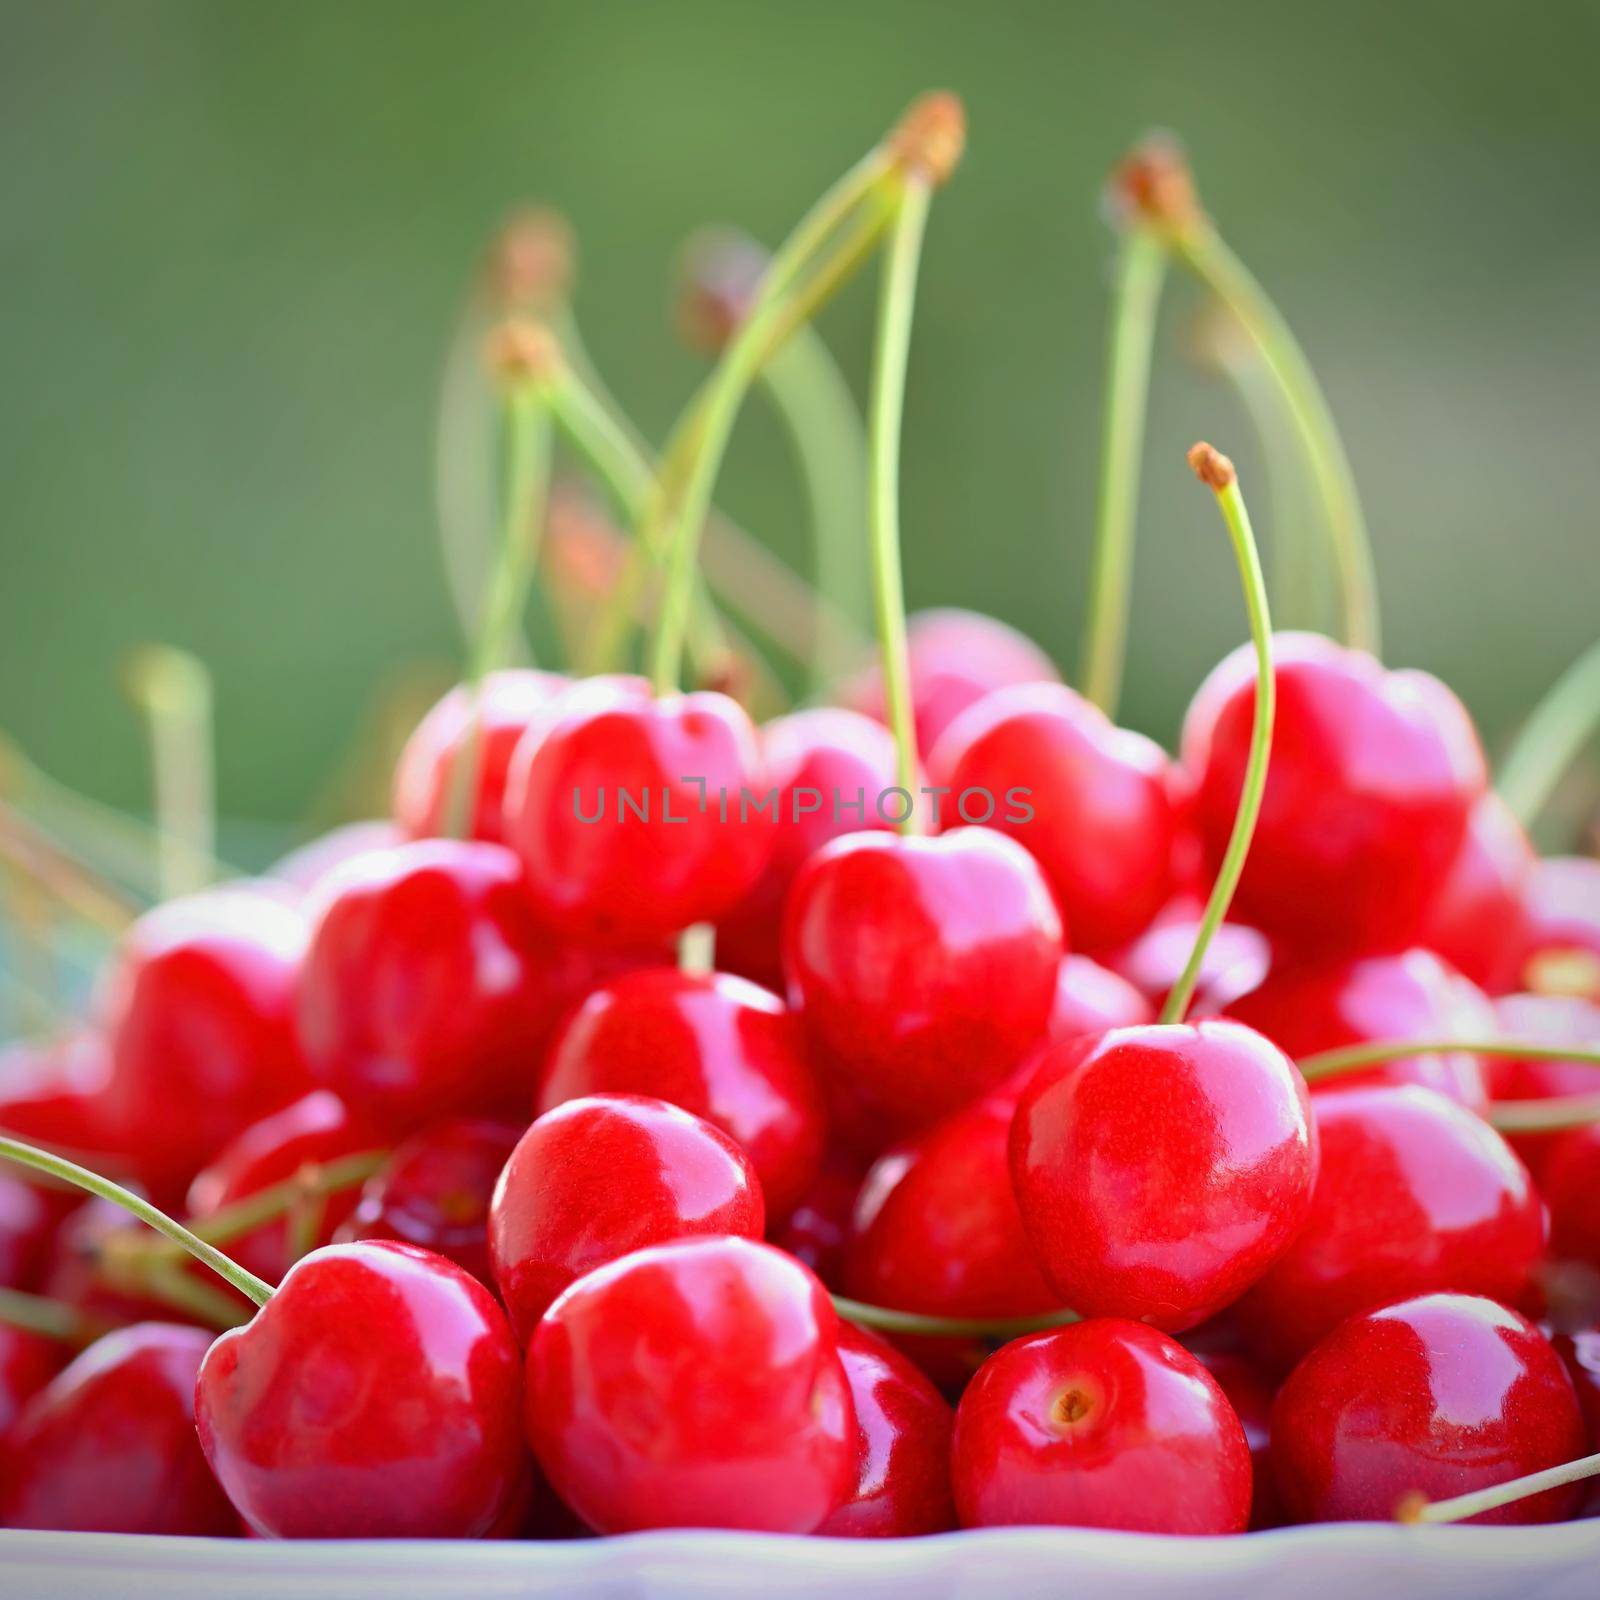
1478, 922
695, 1384
1543, 1019
1411, 995
1236, 961
717, 1046
1562, 907
1250, 1392
198, 1012
1415, 1194
598, 1177
903, 1450
306, 866
1091, 998
421, 995
1581, 1353
1105, 1424
28, 1361
54, 1094
1437, 1395
503, 707
434, 1192
957, 657
374, 1396
108, 1446
821, 762
1099, 817
925, 969
316, 1129
30, 1214
816, 1230
599, 870
1571, 1188
1160, 1171
1374, 775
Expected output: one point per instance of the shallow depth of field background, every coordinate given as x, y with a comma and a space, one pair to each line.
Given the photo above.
233, 239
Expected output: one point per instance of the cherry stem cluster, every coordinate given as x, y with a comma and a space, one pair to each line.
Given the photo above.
1555, 731
1216, 472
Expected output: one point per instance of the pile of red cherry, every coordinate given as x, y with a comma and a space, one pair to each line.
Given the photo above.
908, 1216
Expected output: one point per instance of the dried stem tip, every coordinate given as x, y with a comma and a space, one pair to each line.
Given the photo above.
719, 273
522, 352
532, 261
1211, 467
1153, 184
931, 136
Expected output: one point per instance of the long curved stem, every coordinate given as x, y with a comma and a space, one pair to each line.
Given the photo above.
1200, 246
1136, 299
891, 353
1217, 473
52, 1319
1462, 1506
1556, 730
1357, 1057
247, 1283
994, 1328
1559, 1114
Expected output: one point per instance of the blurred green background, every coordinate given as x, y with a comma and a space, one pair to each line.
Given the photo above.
233, 239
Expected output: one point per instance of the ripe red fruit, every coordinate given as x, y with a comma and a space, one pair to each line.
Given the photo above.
712, 1044
1102, 823
636, 817
1362, 1000
956, 658
695, 1384
925, 968
198, 1013
816, 1230
1373, 777
1437, 1395
28, 1361
829, 767
1106, 1424
29, 1217
316, 1129
1160, 1171
1543, 1019
422, 995
1250, 1393
1581, 1354
903, 1451
108, 1446
434, 1192
1415, 1194
1571, 1188
1091, 999
54, 1094
1236, 960
598, 1177
305, 867
1562, 906
375, 1395
1478, 922
503, 706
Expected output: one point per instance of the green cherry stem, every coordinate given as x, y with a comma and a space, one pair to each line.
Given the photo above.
53, 1319
172, 691
1215, 470
994, 1328
524, 358
1417, 1509
886, 407
1135, 301
1357, 1057
1556, 730
1559, 1114
247, 1283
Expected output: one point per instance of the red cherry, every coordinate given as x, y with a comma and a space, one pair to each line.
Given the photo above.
1160, 1171
903, 1463
1415, 1194
375, 1395
1571, 1188
598, 1177
502, 707
434, 1192
85, 1271
829, 768
1100, 817
1091, 999
421, 995
713, 1044
1478, 922
1412, 995
55, 1095
816, 1230
197, 1009
1250, 1393
1438, 1396
108, 1446
1581, 1354
28, 1361
1562, 906
302, 870
1543, 1019
1105, 1424
925, 968
317, 1128
636, 817
1236, 960
1374, 775
694, 1384
956, 658
29, 1217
